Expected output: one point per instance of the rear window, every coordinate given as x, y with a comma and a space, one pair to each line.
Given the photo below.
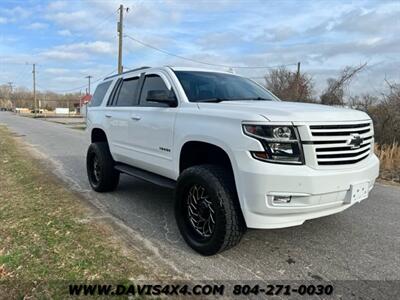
99, 93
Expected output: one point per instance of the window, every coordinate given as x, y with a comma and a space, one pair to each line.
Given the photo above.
152, 82
127, 92
99, 93
201, 86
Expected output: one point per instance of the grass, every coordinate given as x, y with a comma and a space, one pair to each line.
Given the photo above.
44, 244
389, 156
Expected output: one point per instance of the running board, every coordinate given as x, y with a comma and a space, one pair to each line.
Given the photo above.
146, 175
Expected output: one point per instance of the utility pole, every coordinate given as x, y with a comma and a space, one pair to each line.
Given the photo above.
298, 80
119, 30
10, 84
88, 77
34, 88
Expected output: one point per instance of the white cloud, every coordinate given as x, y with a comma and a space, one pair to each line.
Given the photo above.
67, 79
76, 20
368, 23
17, 12
56, 71
97, 47
62, 55
64, 32
78, 50
36, 26
57, 5
3, 20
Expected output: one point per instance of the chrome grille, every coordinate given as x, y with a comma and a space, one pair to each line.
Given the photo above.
332, 143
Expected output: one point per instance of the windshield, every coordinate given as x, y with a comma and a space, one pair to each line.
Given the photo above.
215, 87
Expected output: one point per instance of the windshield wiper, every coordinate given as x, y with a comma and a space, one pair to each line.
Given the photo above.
257, 98
215, 100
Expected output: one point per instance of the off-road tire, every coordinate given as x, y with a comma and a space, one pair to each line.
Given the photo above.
229, 223
108, 178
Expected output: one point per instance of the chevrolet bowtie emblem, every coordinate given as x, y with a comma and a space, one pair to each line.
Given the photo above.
355, 141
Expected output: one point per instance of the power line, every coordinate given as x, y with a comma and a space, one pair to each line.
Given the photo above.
202, 62
94, 29
83, 86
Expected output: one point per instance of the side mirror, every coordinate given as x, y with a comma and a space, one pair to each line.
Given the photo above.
162, 96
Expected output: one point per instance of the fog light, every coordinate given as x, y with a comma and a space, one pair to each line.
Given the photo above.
281, 199
260, 155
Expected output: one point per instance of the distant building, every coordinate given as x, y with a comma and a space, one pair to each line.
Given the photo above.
85, 99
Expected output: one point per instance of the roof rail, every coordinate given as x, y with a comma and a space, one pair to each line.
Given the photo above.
133, 70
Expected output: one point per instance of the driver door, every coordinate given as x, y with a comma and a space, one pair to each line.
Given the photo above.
151, 127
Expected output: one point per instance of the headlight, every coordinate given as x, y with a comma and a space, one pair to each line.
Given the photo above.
281, 143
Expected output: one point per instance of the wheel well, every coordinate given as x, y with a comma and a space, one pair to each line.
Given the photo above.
198, 153
98, 135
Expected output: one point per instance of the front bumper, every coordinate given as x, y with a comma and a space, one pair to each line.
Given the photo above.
315, 193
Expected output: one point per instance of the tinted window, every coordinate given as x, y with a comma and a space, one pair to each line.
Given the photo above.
152, 82
200, 86
127, 92
99, 93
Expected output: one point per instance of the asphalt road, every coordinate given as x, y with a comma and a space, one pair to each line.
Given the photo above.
360, 243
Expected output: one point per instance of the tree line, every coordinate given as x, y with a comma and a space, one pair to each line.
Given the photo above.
22, 97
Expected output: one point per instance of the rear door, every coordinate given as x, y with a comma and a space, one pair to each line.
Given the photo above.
119, 110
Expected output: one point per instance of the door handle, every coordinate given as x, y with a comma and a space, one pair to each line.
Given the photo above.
108, 116
136, 118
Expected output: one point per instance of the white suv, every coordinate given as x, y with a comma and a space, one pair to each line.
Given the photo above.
236, 155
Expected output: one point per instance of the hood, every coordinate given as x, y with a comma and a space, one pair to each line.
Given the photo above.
289, 111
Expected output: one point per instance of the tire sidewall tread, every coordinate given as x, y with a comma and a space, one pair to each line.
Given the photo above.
220, 185
110, 177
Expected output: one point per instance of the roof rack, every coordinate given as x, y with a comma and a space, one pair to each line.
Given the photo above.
133, 70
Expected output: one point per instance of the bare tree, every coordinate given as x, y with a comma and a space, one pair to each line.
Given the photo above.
334, 93
289, 85
364, 102
23, 98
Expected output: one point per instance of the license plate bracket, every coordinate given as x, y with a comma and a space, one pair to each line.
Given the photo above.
358, 192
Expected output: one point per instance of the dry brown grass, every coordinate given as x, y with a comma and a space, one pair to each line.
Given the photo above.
389, 156
47, 239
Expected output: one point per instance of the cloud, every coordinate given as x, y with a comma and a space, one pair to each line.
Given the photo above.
3, 20
56, 54
57, 5
16, 12
368, 23
56, 71
278, 34
77, 20
64, 32
219, 40
78, 50
66, 79
36, 26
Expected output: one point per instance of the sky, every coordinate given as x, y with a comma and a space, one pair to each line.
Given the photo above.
69, 40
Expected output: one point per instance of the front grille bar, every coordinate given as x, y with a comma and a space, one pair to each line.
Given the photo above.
331, 143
